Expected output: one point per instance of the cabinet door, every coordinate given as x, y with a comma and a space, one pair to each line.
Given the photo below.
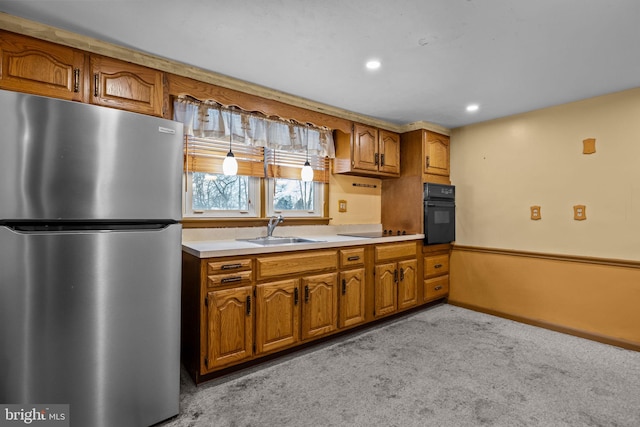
437, 154
41, 68
352, 286
386, 294
407, 284
229, 327
277, 315
126, 86
320, 305
365, 148
389, 148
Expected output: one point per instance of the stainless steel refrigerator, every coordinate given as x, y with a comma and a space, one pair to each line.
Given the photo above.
90, 259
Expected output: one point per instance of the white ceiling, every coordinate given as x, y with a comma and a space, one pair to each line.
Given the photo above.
508, 56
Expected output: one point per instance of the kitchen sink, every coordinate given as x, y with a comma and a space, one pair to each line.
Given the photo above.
269, 241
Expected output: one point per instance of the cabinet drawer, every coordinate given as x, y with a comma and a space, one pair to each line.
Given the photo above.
236, 278
395, 250
228, 266
435, 288
298, 263
436, 265
351, 257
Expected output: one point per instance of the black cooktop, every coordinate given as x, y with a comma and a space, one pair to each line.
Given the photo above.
371, 234
367, 234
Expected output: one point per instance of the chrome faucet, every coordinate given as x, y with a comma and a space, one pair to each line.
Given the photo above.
273, 223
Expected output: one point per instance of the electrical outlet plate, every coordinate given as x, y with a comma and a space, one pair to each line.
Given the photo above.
535, 213
579, 212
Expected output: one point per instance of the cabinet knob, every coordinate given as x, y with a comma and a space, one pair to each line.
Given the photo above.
437, 266
437, 288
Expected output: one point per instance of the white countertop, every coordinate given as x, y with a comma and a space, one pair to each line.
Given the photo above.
231, 247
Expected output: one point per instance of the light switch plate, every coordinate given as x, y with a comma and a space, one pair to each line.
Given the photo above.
588, 146
342, 205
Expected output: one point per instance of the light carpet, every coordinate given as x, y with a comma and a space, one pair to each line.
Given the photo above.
444, 366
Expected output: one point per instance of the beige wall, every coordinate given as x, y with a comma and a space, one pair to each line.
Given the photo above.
363, 203
502, 167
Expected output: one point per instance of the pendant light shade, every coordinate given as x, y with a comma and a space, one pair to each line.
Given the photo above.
307, 172
230, 164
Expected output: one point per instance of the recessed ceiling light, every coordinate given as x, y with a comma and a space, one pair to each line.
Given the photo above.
373, 64
472, 107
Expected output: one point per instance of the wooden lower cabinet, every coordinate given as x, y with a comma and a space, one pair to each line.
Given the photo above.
407, 284
395, 284
386, 293
436, 272
277, 315
437, 287
319, 305
289, 311
229, 327
237, 309
352, 298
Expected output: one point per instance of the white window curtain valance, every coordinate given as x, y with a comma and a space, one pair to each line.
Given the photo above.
211, 120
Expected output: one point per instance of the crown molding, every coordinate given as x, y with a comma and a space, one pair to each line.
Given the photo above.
41, 31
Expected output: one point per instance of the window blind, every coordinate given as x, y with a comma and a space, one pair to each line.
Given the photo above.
285, 164
206, 155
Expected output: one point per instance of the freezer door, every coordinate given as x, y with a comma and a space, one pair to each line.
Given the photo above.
92, 319
62, 160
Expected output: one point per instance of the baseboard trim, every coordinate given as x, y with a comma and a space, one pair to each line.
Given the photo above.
629, 345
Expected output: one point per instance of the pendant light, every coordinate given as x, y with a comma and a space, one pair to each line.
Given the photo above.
230, 164
307, 173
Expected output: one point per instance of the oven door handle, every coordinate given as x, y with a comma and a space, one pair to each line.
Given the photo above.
441, 204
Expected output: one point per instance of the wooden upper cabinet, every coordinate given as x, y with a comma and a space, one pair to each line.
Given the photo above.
389, 147
365, 148
367, 151
436, 148
126, 86
42, 68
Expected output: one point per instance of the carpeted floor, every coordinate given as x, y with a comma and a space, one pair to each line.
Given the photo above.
445, 366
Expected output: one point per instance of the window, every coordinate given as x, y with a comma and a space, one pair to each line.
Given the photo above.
268, 150
217, 195
294, 197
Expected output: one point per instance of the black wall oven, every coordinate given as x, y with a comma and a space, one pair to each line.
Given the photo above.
439, 213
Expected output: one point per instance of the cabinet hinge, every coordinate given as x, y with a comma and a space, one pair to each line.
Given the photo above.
254, 349
206, 362
206, 301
